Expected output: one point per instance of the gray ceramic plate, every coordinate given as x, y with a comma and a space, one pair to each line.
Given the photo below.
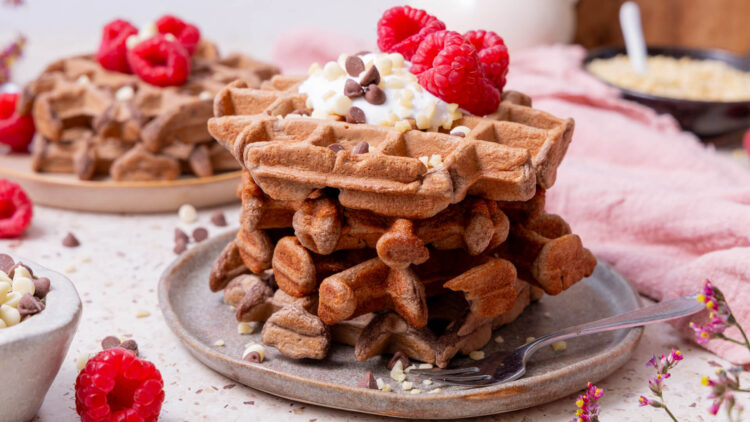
185, 300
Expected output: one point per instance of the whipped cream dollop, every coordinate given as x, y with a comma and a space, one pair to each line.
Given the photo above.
406, 103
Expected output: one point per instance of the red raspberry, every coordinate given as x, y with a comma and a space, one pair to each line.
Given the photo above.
160, 62
447, 65
16, 131
112, 52
492, 53
117, 386
402, 28
15, 210
188, 35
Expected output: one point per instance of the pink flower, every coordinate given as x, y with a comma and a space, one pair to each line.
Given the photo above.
719, 317
643, 401
588, 408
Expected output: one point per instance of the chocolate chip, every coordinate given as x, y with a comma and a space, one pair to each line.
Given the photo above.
372, 76
301, 112
399, 356
29, 305
131, 345
336, 147
6, 263
70, 241
200, 234
352, 89
41, 287
354, 65
218, 219
361, 148
253, 357
374, 95
179, 247
355, 115
368, 381
180, 236
110, 342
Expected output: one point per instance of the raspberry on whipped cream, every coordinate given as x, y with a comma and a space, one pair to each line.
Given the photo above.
405, 99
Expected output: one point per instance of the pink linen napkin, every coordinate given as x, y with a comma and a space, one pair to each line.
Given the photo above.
647, 198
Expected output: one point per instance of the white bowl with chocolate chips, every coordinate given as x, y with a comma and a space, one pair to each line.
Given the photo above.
39, 313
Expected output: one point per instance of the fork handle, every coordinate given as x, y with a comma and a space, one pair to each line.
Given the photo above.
662, 311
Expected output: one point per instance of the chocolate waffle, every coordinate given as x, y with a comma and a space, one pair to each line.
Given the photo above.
291, 324
134, 131
503, 157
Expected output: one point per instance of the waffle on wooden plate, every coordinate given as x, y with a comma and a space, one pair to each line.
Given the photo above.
96, 123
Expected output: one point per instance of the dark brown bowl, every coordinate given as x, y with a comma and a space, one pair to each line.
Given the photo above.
706, 119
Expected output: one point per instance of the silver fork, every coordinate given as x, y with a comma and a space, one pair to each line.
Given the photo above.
503, 367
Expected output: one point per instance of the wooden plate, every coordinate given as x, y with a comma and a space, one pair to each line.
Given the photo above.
199, 318
66, 191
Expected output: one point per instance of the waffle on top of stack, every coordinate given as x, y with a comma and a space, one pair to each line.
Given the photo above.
372, 248
94, 122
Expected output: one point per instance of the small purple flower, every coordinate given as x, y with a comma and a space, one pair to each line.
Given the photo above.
722, 386
662, 364
719, 317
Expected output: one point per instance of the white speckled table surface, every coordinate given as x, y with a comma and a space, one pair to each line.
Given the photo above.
116, 269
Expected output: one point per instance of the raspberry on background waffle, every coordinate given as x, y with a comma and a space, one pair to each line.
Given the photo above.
96, 123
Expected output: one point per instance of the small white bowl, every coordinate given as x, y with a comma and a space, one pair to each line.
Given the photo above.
31, 352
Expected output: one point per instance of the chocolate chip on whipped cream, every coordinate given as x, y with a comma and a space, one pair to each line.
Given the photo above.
374, 95
353, 89
354, 66
70, 241
356, 115
372, 76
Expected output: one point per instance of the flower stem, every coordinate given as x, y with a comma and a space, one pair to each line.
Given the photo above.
742, 390
731, 340
744, 336
664, 405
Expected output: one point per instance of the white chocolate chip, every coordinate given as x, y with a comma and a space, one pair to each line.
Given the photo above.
82, 360
416, 391
21, 272
9, 315
23, 285
170, 37
83, 80
244, 328
423, 122
328, 94
319, 114
12, 299
397, 373
384, 65
219, 343
435, 391
254, 347
427, 382
125, 93
476, 355
396, 59
403, 126
132, 41
332, 71
409, 368
4, 289
70, 269
425, 366
460, 129
499, 339
393, 83
142, 313
205, 95
3, 324
4, 277
314, 68
341, 104
387, 388
559, 346
187, 213
342, 60
407, 385
379, 383
436, 161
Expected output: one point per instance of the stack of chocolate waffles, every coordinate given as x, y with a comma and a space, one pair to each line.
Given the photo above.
419, 242
93, 122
